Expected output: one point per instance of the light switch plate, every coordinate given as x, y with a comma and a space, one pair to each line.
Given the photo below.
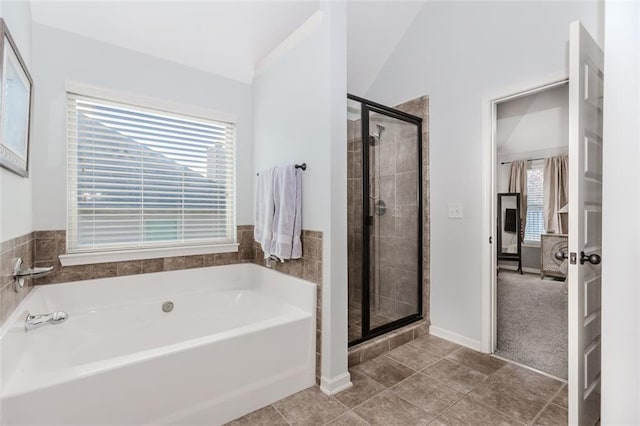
455, 211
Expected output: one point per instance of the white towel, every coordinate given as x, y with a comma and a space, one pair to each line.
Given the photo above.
264, 211
287, 222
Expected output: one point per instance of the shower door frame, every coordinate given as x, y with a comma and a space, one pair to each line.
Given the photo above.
367, 106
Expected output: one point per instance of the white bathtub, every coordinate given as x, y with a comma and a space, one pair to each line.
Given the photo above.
239, 337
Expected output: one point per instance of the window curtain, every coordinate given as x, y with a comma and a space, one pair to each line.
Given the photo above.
556, 193
518, 183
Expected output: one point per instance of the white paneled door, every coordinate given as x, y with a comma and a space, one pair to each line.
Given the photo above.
585, 225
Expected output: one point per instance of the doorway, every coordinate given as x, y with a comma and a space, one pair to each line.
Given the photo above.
530, 197
584, 211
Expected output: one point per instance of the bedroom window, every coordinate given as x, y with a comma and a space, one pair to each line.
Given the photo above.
535, 202
141, 178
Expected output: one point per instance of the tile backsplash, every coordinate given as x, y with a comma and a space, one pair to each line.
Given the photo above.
48, 245
10, 250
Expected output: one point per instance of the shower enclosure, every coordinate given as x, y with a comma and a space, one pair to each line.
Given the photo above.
384, 218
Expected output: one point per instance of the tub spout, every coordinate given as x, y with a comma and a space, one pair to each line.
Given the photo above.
35, 321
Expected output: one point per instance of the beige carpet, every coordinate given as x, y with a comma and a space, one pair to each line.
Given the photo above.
532, 322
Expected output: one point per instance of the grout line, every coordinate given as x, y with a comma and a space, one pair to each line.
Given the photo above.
369, 399
453, 361
559, 406
340, 402
412, 343
555, 395
418, 372
485, 405
472, 397
402, 364
454, 351
444, 409
281, 415
441, 382
540, 412
360, 417
368, 376
437, 415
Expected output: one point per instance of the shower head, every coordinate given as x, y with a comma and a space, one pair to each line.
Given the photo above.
375, 138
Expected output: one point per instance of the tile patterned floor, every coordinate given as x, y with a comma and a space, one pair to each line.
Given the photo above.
429, 381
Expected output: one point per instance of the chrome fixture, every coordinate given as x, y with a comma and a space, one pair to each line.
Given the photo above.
374, 139
268, 262
19, 274
167, 306
35, 321
380, 207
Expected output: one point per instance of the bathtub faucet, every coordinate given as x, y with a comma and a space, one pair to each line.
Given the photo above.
35, 321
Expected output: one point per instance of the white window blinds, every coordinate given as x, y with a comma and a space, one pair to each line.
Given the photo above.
141, 178
535, 202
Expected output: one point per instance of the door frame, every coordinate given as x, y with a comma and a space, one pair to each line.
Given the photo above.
488, 332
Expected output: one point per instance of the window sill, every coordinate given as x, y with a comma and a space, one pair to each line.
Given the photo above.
531, 244
74, 259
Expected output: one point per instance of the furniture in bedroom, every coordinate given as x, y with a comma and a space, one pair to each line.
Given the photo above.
509, 242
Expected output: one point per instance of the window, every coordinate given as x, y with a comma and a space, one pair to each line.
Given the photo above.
142, 178
535, 202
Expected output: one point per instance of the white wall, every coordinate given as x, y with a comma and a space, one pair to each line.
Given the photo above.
537, 122
533, 126
300, 116
59, 56
621, 216
15, 191
290, 123
459, 53
336, 376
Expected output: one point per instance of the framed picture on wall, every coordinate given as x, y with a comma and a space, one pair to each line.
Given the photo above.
15, 106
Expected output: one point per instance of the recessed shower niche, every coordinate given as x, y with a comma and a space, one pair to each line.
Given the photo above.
385, 219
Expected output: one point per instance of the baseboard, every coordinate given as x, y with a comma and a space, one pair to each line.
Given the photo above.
335, 385
524, 269
455, 338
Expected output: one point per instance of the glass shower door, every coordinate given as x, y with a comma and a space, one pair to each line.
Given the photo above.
392, 218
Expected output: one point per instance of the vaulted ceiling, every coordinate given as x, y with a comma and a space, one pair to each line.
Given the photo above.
229, 38
226, 38
374, 29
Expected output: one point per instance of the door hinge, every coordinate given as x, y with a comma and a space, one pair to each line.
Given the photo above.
573, 258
